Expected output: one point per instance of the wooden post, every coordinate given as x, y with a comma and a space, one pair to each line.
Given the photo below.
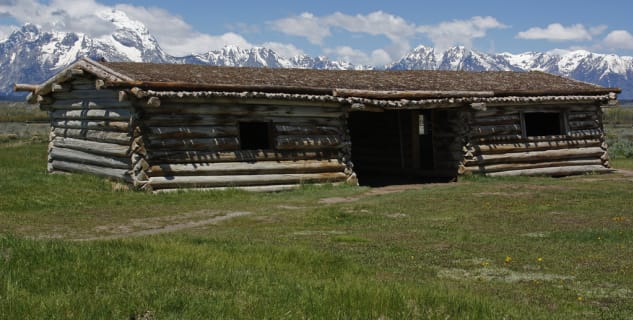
400, 139
415, 138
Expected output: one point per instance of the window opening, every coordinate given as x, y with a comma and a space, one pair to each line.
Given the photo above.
543, 124
254, 135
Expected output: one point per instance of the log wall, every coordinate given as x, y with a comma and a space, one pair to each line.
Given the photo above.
497, 145
196, 144
90, 130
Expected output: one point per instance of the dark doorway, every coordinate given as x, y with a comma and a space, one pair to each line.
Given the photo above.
393, 147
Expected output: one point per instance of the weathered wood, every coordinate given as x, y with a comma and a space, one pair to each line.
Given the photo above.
18, 87
108, 149
496, 120
411, 95
94, 135
153, 102
192, 111
531, 156
520, 166
92, 114
273, 188
113, 173
307, 142
81, 104
591, 115
210, 144
243, 180
245, 168
555, 171
510, 138
235, 101
480, 131
87, 95
307, 130
192, 132
157, 157
89, 158
119, 126
180, 121
532, 146
590, 124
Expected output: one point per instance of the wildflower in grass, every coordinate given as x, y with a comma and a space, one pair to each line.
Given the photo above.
508, 259
485, 263
580, 298
539, 259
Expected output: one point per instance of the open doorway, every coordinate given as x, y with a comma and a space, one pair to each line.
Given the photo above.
393, 147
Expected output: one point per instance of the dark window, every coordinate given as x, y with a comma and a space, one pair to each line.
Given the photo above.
543, 124
254, 135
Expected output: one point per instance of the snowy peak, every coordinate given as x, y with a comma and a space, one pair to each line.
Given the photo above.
31, 55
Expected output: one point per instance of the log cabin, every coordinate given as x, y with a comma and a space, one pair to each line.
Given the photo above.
172, 126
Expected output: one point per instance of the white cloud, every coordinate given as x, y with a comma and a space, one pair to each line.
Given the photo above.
619, 39
74, 17
5, 31
399, 32
378, 57
460, 32
558, 32
304, 25
175, 36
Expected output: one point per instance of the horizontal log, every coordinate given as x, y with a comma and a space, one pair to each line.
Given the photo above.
521, 166
532, 156
555, 171
120, 126
512, 138
532, 146
412, 94
242, 180
271, 100
307, 130
87, 94
496, 120
89, 158
243, 110
192, 132
108, 149
112, 173
307, 142
275, 188
591, 115
157, 157
94, 135
245, 168
81, 104
233, 121
589, 124
18, 87
479, 131
92, 114
210, 144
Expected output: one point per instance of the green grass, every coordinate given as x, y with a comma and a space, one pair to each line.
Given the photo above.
483, 248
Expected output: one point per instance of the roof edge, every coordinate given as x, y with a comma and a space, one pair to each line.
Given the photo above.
84, 64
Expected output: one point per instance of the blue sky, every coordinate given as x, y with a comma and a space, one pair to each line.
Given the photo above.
369, 32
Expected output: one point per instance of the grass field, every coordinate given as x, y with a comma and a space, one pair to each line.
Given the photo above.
79, 247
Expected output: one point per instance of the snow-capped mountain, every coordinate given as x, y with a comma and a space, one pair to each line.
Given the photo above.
31, 55
603, 69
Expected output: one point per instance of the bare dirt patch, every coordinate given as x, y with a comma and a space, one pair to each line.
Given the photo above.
161, 225
376, 192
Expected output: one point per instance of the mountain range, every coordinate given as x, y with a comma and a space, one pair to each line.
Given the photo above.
31, 55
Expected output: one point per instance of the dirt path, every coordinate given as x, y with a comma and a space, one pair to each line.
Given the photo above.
124, 233
377, 191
